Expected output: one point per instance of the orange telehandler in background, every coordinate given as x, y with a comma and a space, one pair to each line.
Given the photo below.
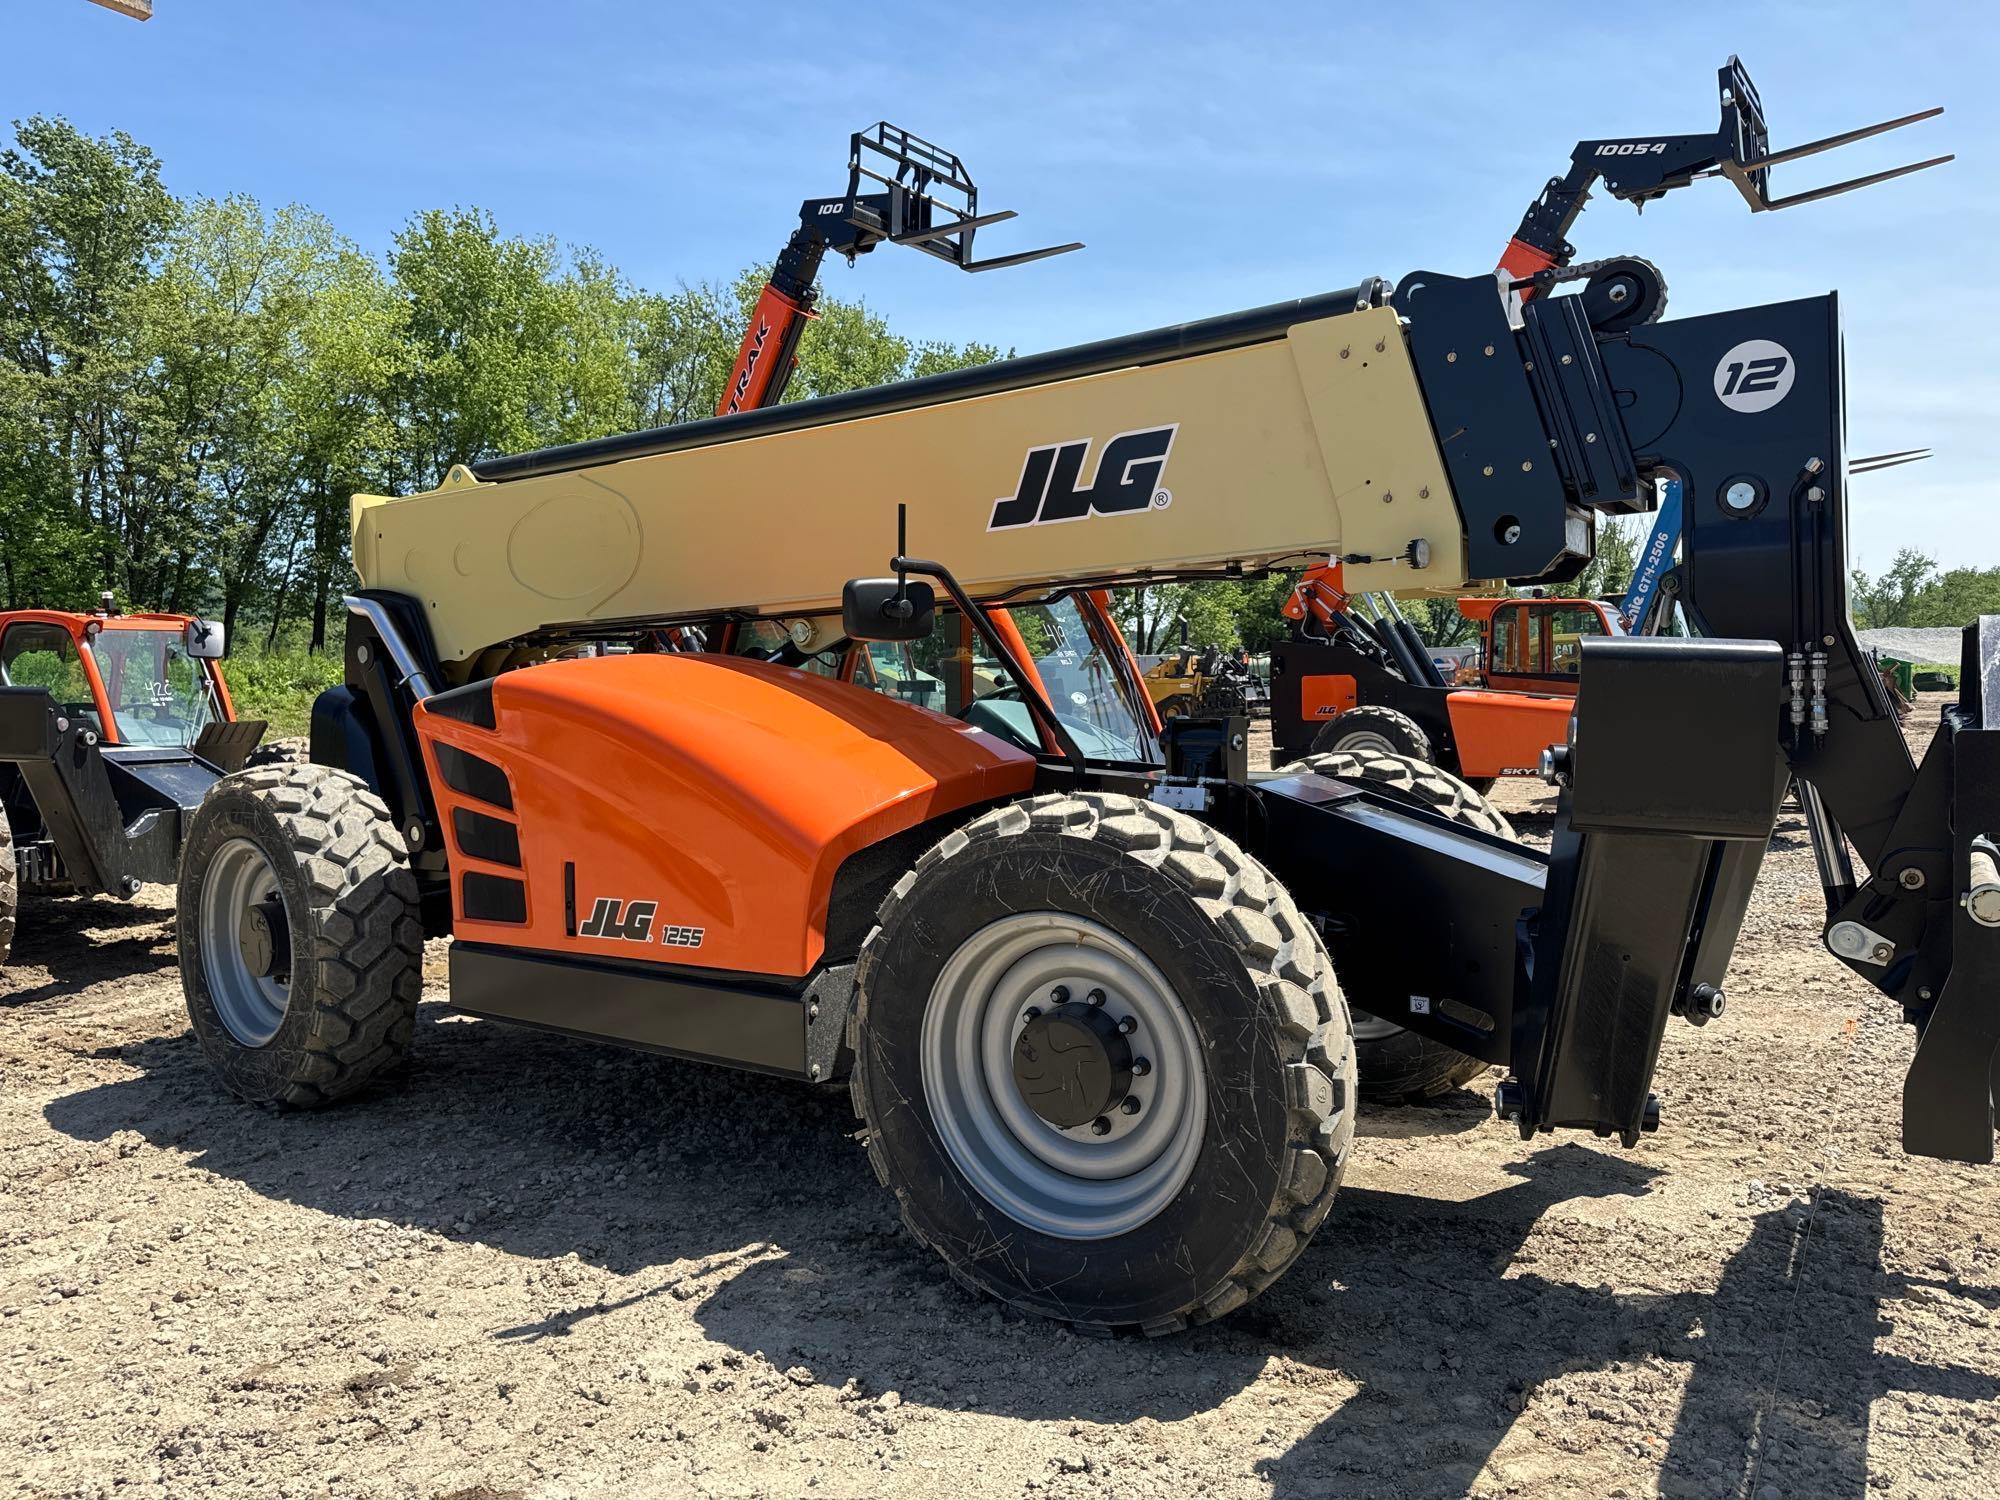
1355, 676
113, 726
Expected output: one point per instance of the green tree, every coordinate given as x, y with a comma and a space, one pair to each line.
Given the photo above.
1609, 571
334, 404
1958, 597
1892, 598
1439, 621
82, 221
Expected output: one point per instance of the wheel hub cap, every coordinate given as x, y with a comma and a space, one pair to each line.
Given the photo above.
1063, 1075
1072, 1064
245, 942
263, 940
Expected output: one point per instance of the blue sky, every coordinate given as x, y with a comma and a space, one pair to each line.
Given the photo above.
1213, 157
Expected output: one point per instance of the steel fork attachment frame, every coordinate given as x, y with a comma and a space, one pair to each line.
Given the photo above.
1638, 169
1566, 969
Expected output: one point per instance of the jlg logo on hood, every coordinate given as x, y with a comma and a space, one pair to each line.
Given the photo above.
1127, 480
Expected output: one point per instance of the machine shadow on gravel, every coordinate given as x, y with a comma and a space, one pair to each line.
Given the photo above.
62, 935
523, 1141
1407, 1296
754, 1195
1781, 1362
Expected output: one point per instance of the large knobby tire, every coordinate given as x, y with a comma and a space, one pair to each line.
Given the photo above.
276, 753
1396, 1063
1372, 729
10, 889
1115, 911
1179, 706
301, 949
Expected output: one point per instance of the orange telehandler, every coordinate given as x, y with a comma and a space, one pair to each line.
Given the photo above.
1355, 676
113, 725
1089, 983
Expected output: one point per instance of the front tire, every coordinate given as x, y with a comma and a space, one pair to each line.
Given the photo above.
276, 753
301, 948
1019, 955
1371, 729
10, 887
1398, 1065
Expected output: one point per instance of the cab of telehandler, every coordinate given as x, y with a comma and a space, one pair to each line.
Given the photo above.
134, 679
112, 726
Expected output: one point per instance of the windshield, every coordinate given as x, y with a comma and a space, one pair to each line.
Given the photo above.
158, 695
953, 671
1084, 685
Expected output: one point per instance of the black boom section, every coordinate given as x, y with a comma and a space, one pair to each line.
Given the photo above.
1745, 407
1481, 396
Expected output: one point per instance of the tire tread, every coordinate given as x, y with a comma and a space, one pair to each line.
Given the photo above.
1296, 989
367, 940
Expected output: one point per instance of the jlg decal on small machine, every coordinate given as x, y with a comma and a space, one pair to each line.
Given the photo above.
632, 922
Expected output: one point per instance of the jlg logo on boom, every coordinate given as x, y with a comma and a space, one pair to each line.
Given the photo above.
1127, 480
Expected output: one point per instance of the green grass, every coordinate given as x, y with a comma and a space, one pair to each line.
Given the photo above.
279, 686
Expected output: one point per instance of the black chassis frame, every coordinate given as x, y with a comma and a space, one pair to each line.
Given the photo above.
1564, 968
102, 819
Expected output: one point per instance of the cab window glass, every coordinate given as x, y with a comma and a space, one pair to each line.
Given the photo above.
943, 671
1568, 629
1535, 653
1506, 640
45, 656
159, 695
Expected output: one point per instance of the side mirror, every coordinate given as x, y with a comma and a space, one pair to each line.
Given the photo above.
887, 609
205, 640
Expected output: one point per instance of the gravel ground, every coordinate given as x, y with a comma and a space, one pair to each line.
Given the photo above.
542, 1269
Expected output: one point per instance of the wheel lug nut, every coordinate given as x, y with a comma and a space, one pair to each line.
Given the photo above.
1033, 1011
1095, 997
1100, 1126
1130, 1106
1141, 1066
1059, 995
1126, 1026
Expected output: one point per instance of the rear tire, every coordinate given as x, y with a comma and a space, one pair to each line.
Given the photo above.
1398, 1065
1226, 986
1373, 730
10, 887
1179, 706
301, 948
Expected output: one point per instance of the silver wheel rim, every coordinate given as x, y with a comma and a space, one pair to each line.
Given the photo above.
1073, 1184
1364, 742
251, 1006
1368, 1027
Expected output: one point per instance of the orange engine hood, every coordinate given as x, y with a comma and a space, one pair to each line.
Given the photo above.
725, 791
